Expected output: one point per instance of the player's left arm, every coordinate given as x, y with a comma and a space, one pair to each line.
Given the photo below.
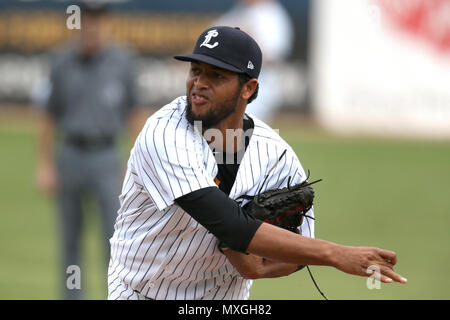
251, 266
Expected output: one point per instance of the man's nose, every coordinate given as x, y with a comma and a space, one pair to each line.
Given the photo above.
201, 81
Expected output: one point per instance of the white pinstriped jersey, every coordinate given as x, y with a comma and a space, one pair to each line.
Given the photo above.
158, 251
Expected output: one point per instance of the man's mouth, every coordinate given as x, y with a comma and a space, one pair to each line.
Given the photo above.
198, 99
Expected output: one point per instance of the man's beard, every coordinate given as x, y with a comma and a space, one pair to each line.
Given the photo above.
215, 115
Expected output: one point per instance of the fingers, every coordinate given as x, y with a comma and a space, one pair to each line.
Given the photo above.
384, 265
390, 274
388, 256
385, 273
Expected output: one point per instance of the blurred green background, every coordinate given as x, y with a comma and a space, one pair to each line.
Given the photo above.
388, 193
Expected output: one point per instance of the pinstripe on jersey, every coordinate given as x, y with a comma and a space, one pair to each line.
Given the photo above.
158, 251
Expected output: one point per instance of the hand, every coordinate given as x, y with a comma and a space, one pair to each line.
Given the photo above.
357, 260
46, 178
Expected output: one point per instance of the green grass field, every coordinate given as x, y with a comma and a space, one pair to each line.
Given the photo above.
393, 194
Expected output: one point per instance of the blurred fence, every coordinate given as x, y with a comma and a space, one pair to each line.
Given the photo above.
155, 30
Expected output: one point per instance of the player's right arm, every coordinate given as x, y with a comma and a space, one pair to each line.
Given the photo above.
281, 245
229, 223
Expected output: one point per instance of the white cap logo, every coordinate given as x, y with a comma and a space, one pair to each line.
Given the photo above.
250, 65
209, 35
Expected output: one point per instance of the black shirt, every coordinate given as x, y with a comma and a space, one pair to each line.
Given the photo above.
226, 174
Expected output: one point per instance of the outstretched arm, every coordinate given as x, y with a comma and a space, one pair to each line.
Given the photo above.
278, 244
281, 245
229, 223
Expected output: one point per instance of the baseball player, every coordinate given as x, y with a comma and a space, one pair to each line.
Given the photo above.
189, 175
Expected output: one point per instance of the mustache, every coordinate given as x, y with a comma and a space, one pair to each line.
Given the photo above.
197, 93
215, 114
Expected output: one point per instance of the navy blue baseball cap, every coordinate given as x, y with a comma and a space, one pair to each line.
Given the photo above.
227, 48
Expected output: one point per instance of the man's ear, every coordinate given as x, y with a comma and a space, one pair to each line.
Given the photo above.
249, 88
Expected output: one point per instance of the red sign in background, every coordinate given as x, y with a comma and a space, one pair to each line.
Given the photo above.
427, 20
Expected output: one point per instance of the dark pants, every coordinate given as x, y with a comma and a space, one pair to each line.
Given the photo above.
95, 173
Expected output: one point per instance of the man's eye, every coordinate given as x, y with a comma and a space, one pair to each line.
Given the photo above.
218, 75
194, 70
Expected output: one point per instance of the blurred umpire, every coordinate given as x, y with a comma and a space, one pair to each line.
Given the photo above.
88, 101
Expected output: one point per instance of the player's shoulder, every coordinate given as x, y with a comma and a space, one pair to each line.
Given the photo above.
263, 133
172, 113
167, 121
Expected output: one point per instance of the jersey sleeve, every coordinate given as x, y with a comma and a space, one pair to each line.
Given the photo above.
169, 162
221, 216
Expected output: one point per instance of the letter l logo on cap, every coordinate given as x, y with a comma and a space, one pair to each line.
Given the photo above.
209, 35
